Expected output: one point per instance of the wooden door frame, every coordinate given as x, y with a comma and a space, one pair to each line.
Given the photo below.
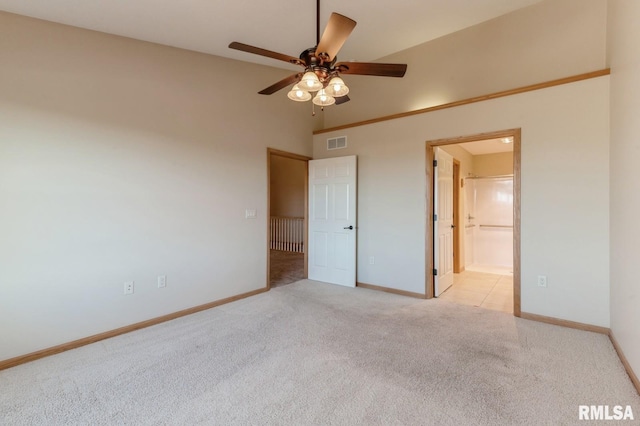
270, 153
457, 266
430, 145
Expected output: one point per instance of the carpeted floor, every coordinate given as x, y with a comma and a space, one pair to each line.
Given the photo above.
316, 354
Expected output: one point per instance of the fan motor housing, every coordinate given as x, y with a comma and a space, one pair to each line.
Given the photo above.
316, 64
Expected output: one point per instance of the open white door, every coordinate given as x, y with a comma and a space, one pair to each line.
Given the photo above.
443, 222
332, 220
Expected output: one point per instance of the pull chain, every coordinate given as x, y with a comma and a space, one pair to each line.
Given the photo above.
313, 109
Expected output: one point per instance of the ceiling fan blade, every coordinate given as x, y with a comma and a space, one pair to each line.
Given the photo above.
281, 84
342, 99
264, 52
335, 34
372, 68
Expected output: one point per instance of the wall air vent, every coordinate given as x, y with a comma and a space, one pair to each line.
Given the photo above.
337, 143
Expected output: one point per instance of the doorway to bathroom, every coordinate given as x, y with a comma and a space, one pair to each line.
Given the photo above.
474, 229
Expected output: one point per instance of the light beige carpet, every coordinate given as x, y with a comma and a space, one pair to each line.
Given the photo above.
316, 354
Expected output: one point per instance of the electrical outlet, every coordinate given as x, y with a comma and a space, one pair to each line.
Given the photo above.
128, 287
162, 281
372, 260
542, 280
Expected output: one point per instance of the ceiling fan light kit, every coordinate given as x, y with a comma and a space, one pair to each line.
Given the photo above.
336, 88
298, 95
310, 82
321, 72
322, 99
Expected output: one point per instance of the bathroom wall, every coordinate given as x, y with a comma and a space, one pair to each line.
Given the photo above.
497, 164
492, 206
490, 246
494, 246
469, 223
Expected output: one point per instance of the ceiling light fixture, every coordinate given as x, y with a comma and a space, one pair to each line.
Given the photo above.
506, 140
321, 69
336, 87
298, 95
327, 92
322, 99
310, 82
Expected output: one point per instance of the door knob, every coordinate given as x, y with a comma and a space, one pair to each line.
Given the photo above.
348, 227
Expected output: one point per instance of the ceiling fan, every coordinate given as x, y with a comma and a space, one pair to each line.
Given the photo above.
321, 71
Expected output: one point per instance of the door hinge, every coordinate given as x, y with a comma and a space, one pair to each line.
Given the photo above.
435, 217
435, 163
435, 272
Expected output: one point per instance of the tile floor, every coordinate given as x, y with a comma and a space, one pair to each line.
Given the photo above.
483, 289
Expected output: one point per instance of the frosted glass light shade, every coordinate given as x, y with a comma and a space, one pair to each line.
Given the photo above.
310, 82
336, 88
323, 99
298, 95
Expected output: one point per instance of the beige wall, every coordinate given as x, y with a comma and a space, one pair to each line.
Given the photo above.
463, 156
625, 183
558, 238
287, 186
493, 164
123, 160
549, 40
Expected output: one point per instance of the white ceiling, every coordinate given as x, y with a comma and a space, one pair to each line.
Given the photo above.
284, 26
490, 146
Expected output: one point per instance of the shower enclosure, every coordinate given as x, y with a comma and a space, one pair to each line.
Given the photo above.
489, 224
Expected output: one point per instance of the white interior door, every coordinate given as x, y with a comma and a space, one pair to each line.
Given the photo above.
443, 224
332, 220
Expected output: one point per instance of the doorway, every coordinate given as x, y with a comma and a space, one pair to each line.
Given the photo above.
460, 222
287, 205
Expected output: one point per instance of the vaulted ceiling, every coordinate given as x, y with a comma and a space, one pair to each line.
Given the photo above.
285, 26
